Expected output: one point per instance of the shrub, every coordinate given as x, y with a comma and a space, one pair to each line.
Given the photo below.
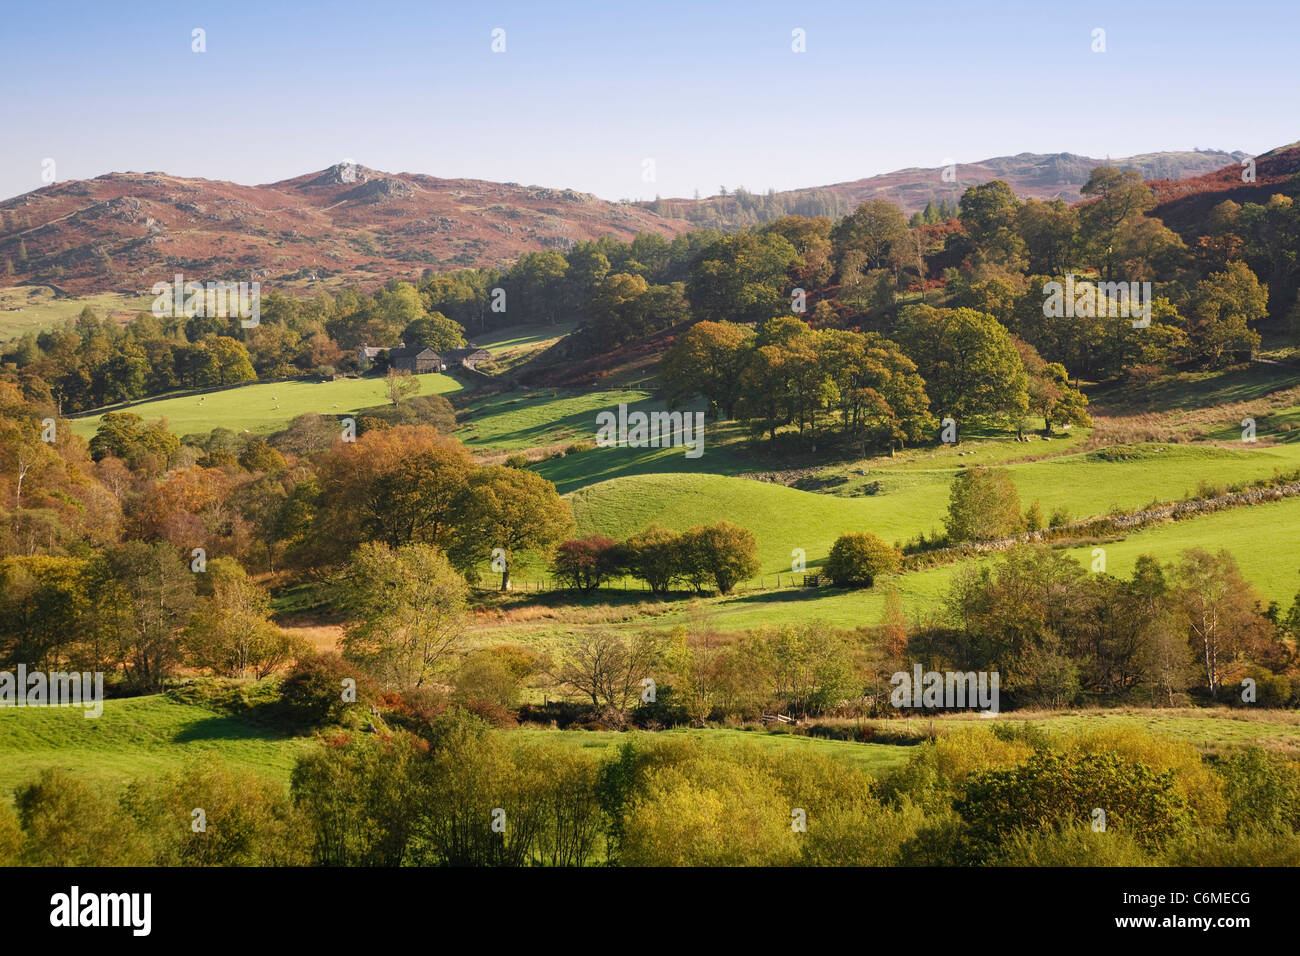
517, 460
584, 563
856, 559
709, 811
1249, 847
496, 674
359, 801
1263, 791
723, 553
247, 820
11, 836
983, 506
313, 690
578, 447
1051, 790
1077, 845
68, 824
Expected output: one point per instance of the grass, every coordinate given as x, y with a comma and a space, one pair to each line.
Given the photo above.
911, 500
873, 758
137, 736
1211, 729
33, 308
1260, 536
265, 407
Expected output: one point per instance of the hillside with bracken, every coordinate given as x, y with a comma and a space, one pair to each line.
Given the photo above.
125, 231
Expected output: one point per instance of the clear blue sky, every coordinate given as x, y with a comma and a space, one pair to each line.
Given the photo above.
711, 91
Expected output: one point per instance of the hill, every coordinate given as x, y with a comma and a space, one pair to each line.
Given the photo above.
1185, 204
126, 231
122, 232
1040, 175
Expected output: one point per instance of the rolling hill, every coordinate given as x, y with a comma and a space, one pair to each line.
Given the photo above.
122, 232
125, 231
1040, 175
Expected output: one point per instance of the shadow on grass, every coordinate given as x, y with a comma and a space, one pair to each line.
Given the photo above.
264, 722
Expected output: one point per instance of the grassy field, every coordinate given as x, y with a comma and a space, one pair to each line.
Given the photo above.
33, 308
148, 736
266, 407
873, 758
135, 737
912, 500
1261, 537
1211, 729
515, 345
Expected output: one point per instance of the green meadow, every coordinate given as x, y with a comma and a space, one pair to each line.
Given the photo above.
136, 737
266, 407
34, 308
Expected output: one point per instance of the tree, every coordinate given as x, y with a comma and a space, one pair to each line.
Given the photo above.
434, 331
722, 552
1050, 392
1218, 609
878, 230
610, 668
400, 386
397, 485
1119, 196
231, 632
742, 278
983, 506
969, 363
856, 558
655, 556
515, 510
1224, 306
406, 612
583, 563
881, 397
707, 360
143, 597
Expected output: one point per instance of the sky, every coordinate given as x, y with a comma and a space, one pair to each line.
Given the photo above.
584, 94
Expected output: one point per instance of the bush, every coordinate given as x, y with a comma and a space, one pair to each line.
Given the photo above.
856, 559
247, 819
11, 836
1076, 845
68, 824
517, 460
983, 506
313, 691
709, 811
578, 447
1052, 790
1250, 847
723, 553
1263, 791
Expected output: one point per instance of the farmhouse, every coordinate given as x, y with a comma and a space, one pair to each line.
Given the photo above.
417, 361
468, 357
